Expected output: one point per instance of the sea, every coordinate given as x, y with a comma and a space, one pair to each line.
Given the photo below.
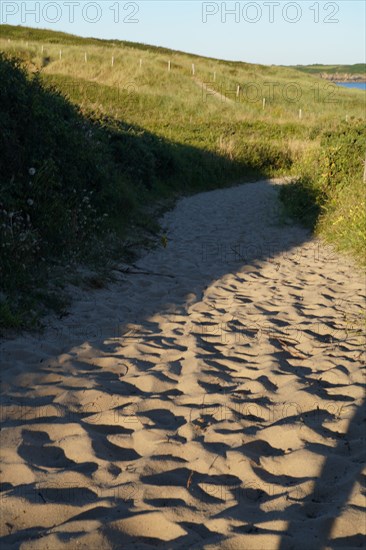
358, 85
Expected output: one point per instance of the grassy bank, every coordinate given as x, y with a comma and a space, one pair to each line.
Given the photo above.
96, 133
330, 194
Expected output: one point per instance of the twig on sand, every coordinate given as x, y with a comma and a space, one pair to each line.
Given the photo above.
129, 271
213, 462
279, 337
292, 352
285, 339
124, 374
189, 480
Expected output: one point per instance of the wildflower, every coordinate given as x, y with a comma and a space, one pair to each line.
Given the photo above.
32, 171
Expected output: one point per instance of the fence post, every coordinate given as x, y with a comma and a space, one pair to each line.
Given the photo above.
193, 70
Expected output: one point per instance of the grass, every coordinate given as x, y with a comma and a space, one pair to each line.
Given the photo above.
330, 194
115, 143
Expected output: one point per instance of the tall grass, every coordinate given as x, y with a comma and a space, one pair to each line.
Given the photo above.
330, 194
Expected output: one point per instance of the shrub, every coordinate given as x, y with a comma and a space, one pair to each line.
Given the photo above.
330, 195
50, 175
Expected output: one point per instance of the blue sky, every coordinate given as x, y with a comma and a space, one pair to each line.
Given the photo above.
270, 32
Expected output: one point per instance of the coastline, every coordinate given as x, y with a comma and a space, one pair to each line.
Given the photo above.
336, 77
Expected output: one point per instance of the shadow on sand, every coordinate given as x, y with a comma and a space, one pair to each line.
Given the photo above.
102, 372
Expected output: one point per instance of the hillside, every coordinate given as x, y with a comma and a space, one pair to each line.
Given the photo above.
129, 125
285, 89
356, 72
357, 68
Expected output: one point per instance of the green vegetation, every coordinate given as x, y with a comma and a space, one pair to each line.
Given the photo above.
90, 150
330, 195
356, 69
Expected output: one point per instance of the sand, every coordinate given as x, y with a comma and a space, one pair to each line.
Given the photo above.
212, 401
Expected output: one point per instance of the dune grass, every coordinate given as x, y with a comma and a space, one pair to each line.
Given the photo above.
127, 135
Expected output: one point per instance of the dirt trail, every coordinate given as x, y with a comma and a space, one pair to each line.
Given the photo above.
216, 405
208, 91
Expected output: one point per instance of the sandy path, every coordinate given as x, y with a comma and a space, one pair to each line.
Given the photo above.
218, 405
208, 91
